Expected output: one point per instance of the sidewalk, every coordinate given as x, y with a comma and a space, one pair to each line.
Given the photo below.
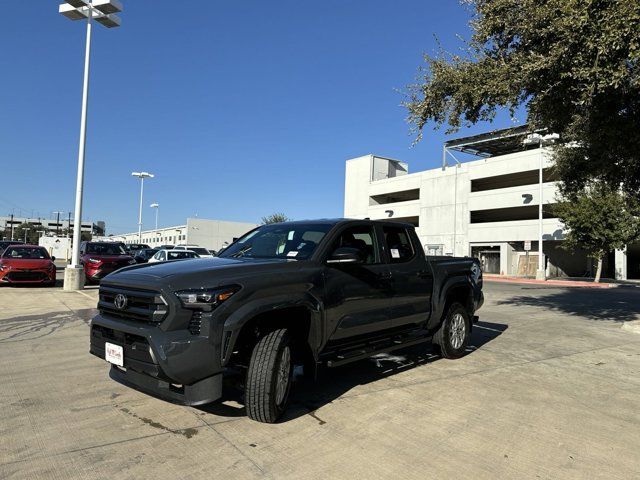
570, 282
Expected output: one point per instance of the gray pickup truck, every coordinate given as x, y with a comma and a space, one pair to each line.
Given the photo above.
310, 293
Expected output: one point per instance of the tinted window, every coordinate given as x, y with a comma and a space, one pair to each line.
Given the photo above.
176, 255
104, 249
398, 244
293, 241
361, 238
26, 253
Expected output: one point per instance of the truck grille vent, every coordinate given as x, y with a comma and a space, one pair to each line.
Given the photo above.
139, 305
195, 324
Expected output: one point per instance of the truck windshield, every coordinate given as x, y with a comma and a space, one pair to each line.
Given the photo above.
105, 249
291, 241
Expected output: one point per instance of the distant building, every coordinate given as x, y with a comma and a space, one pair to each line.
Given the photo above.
51, 226
210, 234
486, 208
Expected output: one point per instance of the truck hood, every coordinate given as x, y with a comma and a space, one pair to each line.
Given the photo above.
211, 269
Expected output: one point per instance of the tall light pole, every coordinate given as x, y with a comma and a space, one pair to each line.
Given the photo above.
541, 141
141, 176
57, 221
157, 207
103, 12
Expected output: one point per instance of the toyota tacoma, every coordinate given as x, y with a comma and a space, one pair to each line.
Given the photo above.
305, 293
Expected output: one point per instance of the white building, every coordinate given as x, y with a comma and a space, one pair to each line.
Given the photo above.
210, 234
48, 225
486, 208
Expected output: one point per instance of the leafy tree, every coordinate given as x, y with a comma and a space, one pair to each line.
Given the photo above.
275, 218
572, 64
30, 230
599, 219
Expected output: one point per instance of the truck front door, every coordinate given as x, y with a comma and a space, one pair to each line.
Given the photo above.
357, 295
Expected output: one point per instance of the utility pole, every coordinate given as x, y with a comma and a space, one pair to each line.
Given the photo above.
12, 227
58, 222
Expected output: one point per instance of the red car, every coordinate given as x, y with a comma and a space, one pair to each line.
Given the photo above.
27, 264
99, 259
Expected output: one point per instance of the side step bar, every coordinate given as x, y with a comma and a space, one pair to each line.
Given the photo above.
371, 350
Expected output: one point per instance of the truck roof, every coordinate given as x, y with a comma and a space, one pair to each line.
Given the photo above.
336, 221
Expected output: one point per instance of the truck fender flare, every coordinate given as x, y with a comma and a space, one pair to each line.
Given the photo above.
234, 323
440, 300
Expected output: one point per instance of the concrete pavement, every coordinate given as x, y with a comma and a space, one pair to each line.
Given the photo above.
550, 389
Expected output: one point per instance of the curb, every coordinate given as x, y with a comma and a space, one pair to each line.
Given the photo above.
549, 283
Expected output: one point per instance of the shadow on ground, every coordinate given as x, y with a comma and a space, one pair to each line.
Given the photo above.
332, 383
619, 304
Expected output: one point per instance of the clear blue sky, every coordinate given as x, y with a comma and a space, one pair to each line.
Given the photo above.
240, 109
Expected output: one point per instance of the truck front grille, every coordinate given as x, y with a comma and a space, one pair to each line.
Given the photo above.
132, 304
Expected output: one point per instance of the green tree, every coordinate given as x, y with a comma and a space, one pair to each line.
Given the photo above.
599, 219
275, 218
572, 64
30, 230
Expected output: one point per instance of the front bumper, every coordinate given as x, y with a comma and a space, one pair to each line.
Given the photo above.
175, 366
16, 276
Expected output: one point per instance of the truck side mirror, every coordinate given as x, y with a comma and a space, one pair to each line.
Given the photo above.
345, 255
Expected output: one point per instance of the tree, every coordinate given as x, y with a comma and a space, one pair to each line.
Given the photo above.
599, 219
31, 231
572, 64
275, 218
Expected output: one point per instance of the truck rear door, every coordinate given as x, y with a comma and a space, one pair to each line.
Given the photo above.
411, 276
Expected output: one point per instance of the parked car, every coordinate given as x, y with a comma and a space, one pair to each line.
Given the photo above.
165, 247
311, 293
166, 255
27, 264
202, 252
133, 248
99, 259
5, 243
143, 256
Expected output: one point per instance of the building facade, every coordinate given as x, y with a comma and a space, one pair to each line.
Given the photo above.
210, 234
487, 207
50, 226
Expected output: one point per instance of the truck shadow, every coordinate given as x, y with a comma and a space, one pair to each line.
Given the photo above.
332, 383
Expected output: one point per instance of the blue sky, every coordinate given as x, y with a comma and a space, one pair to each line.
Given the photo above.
240, 109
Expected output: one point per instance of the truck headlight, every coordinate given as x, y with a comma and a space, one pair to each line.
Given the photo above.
95, 260
204, 298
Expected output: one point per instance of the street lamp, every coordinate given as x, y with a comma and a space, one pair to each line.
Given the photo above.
157, 207
141, 176
103, 11
540, 140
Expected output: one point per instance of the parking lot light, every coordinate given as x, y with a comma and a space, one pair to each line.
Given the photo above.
141, 176
103, 12
157, 207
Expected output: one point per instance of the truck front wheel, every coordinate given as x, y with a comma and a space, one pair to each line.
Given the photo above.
269, 377
453, 335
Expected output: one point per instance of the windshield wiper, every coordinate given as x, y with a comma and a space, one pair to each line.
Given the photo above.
241, 252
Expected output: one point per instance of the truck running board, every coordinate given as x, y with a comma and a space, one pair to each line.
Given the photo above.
368, 350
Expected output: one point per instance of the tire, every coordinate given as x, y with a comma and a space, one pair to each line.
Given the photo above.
269, 377
453, 336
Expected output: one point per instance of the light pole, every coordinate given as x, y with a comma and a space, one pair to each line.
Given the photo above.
57, 221
157, 207
103, 11
141, 176
540, 140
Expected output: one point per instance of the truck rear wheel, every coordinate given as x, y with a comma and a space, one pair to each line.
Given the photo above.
269, 377
453, 336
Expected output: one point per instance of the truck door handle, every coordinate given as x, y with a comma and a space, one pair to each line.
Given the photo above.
423, 274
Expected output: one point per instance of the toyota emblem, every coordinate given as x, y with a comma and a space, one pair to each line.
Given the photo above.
120, 301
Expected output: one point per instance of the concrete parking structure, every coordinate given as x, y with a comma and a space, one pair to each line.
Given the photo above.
550, 389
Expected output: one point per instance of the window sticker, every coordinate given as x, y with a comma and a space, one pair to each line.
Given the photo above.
395, 253
292, 253
290, 236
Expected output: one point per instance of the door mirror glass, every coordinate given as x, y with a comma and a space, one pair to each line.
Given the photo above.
345, 255
53, 259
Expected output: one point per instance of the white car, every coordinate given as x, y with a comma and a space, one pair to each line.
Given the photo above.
201, 251
166, 255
